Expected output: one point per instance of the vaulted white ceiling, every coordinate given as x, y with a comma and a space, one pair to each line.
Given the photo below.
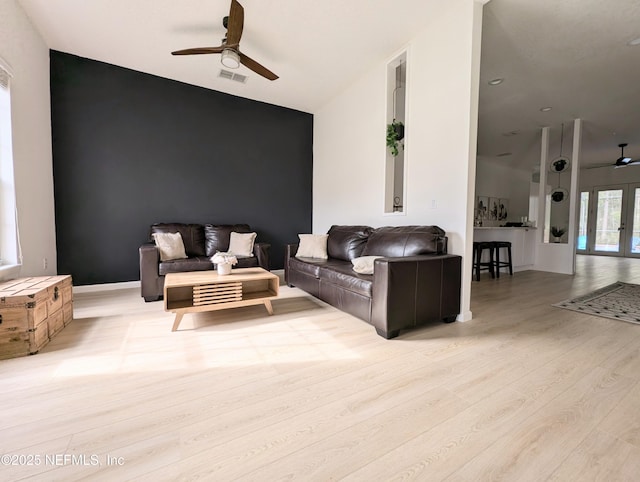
316, 47
572, 55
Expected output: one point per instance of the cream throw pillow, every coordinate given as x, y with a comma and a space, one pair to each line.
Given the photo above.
364, 264
241, 244
312, 246
170, 245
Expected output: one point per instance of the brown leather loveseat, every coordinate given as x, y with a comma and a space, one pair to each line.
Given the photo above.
413, 283
201, 241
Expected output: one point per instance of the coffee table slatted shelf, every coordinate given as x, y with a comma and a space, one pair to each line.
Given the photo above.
201, 291
217, 293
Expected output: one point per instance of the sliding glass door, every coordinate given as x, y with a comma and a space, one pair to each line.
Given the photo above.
608, 218
633, 221
611, 226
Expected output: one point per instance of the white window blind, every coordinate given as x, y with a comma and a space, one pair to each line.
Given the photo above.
4, 78
10, 253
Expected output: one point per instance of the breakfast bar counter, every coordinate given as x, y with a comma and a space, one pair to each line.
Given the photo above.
523, 242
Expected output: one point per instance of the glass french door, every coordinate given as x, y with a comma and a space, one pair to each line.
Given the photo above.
611, 226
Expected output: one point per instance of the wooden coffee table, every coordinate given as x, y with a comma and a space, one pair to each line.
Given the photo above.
197, 291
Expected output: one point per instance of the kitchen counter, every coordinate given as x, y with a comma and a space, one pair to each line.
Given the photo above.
504, 227
523, 243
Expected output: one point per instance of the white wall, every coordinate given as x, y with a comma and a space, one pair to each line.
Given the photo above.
349, 138
605, 176
500, 181
25, 51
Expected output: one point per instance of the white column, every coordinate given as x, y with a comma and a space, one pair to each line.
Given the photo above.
574, 194
542, 193
558, 257
467, 269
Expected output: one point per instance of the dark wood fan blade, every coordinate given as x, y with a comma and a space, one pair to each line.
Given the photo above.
235, 24
256, 67
198, 51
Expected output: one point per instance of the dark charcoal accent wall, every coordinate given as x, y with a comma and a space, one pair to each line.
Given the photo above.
131, 149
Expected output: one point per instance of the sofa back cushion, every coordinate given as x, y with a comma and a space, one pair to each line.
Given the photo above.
396, 241
347, 242
217, 236
192, 236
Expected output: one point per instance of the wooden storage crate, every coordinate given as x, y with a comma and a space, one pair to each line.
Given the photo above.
32, 311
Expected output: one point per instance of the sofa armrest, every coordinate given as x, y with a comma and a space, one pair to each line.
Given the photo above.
290, 251
261, 252
149, 275
414, 290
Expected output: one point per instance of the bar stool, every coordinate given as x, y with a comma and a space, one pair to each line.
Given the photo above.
478, 264
502, 264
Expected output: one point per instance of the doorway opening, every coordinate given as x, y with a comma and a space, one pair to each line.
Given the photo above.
609, 221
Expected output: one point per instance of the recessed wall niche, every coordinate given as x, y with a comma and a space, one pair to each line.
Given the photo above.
557, 204
395, 167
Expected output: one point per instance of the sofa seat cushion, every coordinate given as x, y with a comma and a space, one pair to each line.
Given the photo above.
309, 266
246, 262
201, 263
313, 266
342, 275
198, 263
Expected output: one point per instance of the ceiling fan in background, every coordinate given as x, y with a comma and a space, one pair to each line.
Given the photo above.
622, 161
230, 48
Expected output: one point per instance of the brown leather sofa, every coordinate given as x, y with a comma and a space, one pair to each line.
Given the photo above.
415, 282
201, 241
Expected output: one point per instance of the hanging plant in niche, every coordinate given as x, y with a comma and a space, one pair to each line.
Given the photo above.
395, 135
557, 233
395, 130
560, 164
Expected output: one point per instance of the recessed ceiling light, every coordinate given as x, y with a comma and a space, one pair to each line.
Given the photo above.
496, 81
546, 109
634, 42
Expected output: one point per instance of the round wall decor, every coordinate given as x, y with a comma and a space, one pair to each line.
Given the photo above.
559, 195
560, 164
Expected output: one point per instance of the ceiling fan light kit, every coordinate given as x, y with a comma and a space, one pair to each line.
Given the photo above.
230, 59
623, 161
231, 56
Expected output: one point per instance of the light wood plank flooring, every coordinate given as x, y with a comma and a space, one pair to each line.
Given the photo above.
523, 392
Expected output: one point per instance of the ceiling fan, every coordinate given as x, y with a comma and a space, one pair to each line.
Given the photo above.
230, 48
622, 161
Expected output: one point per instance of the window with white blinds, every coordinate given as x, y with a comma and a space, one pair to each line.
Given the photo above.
9, 245
4, 78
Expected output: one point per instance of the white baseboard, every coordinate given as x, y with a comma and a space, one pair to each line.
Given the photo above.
466, 316
106, 287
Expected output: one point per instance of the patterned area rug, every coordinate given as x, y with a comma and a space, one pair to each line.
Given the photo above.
619, 301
